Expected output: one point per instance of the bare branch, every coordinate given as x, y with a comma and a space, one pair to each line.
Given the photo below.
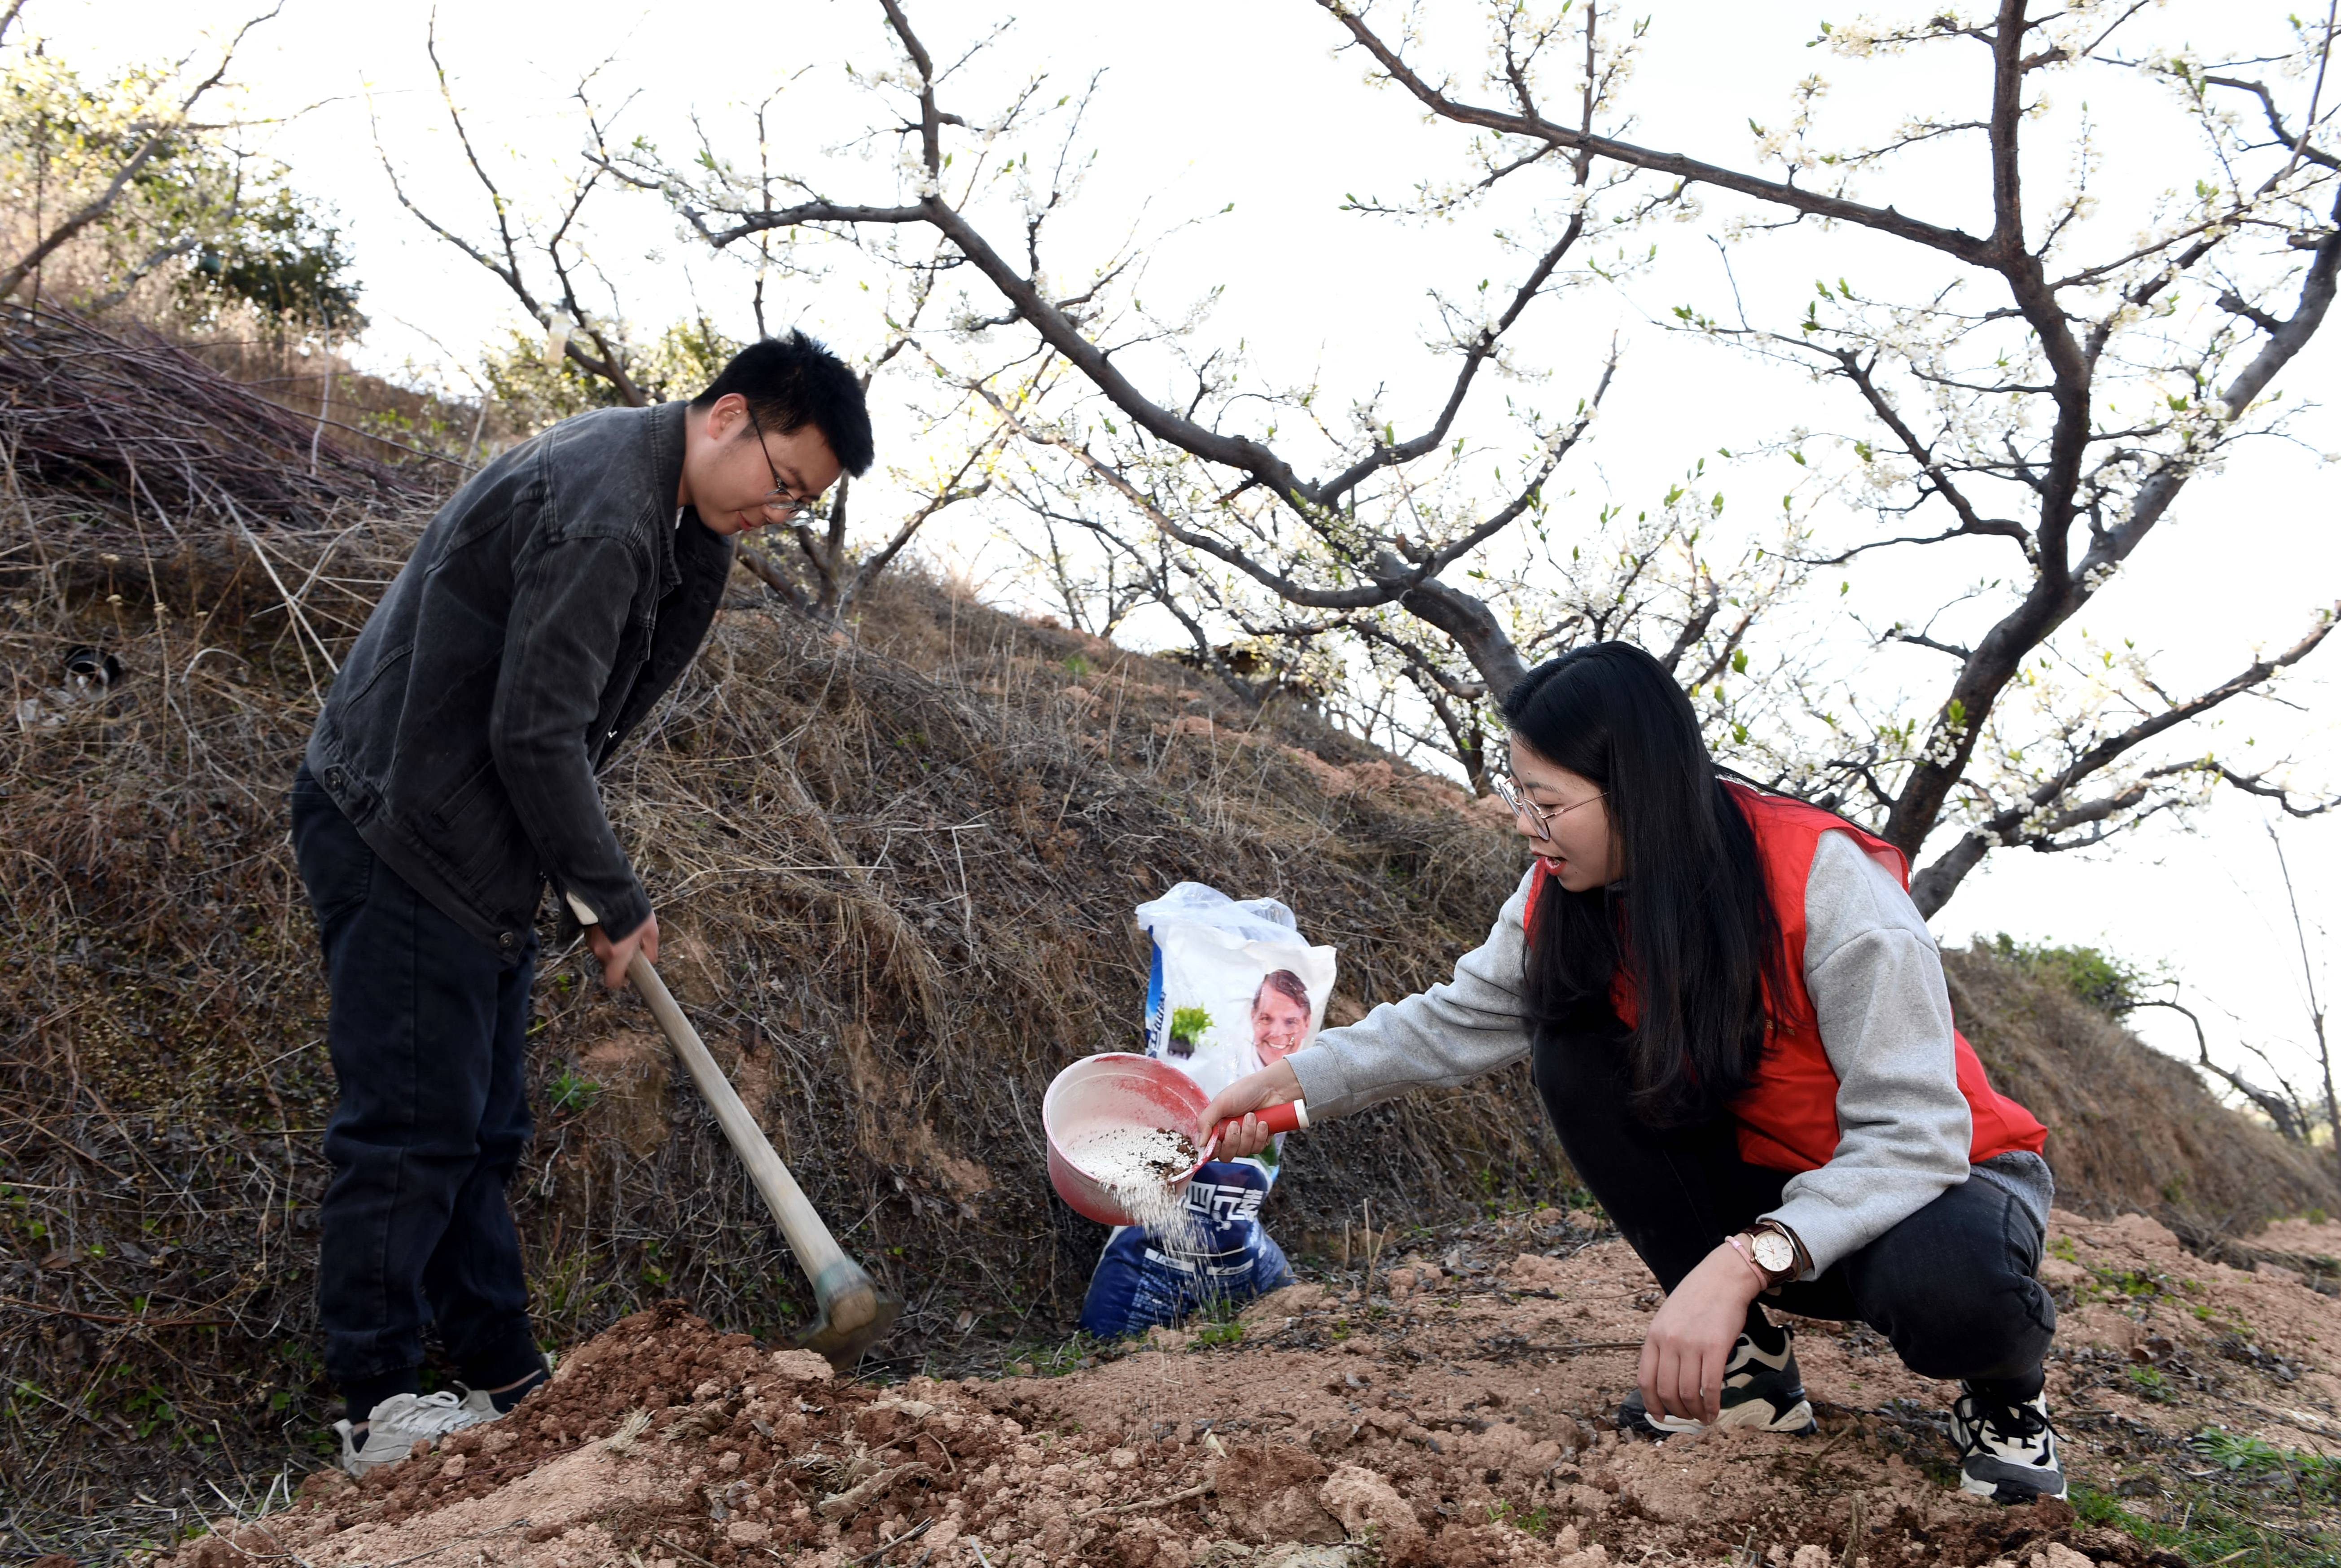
2278, 1107
2039, 818
1952, 242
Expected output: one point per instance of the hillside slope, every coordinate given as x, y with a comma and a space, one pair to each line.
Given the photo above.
2129, 1129
896, 869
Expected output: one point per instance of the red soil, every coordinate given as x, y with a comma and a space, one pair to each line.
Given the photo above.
1456, 1416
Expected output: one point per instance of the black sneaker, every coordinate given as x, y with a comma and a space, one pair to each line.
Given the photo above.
1762, 1391
2008, 1453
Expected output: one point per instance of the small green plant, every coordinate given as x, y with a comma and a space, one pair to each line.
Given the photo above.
1189, 1022
2222, 1514
1228, 1333
2231, 1451
571, 1091
2238, 1454
567, 1293
150, 1410
2151, 1385
2128, 1283
1076, 666
1537, 1521
2094, 977
2062, 1246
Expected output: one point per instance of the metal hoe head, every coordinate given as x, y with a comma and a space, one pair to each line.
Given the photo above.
852, 1312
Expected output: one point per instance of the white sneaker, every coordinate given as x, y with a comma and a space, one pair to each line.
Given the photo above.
2006, 1452
398, 1422
1761, 1391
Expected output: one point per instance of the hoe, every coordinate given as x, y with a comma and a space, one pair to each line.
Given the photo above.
852, 1311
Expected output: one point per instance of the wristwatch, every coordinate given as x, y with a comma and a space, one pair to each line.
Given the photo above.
1774, 1251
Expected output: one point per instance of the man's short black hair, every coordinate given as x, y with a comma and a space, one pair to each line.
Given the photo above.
793, 382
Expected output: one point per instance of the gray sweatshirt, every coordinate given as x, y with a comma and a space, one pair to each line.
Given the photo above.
1877, 984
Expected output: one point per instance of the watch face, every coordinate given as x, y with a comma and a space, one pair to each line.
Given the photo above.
1773, 1252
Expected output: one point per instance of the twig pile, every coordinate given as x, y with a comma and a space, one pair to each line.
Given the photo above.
164, 441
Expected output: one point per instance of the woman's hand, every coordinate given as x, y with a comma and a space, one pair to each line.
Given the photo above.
1274, 1085
1691, 1338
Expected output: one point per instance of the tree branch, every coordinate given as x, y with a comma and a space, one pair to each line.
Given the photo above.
2028, 821
157, 138
1952, 242
2277, 1108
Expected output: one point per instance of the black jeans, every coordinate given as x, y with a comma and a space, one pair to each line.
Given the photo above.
1951, 1286
428, 1031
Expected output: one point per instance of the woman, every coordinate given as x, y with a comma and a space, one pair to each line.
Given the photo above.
1737, 1021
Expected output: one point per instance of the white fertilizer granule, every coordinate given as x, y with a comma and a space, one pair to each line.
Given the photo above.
1137, 1167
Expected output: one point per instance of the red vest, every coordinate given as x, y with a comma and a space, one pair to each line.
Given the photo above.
1788, 1113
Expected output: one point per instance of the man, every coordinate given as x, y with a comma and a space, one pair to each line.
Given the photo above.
450, 778
1281, 1016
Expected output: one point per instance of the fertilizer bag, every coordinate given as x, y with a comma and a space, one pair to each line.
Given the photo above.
1233, 985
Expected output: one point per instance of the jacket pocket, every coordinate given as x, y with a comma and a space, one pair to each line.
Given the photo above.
452, 806
486, 844
367, 680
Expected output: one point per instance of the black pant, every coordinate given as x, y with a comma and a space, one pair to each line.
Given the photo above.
428, 1031
1951, 1286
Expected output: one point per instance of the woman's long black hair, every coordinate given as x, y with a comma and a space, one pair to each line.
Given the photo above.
1691, 924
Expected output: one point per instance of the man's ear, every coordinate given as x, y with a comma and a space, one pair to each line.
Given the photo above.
727, 416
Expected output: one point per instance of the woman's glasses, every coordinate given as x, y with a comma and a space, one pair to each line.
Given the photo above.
1508, 791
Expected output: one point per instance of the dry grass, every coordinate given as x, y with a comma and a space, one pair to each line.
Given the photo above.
164, 449
897, 870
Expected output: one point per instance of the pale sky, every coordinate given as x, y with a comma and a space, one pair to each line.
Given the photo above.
1214, 103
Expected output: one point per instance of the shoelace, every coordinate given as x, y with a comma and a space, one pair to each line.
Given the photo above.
2009, 1423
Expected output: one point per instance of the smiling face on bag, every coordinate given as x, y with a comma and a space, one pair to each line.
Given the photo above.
1280, 1017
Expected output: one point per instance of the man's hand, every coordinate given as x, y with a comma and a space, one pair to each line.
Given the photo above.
1274, 1085
1690, 1341
617, 957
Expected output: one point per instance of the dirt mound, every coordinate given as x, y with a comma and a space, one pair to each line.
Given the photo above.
1452, 1410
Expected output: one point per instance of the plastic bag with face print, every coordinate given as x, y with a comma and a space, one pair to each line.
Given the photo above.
1233, 985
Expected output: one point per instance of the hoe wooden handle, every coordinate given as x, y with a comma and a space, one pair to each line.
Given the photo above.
817, 1251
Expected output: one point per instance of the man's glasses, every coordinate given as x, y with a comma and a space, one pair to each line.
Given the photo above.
783, 505
1510, 793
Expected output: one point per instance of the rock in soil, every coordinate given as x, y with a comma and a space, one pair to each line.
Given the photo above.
1462, 1419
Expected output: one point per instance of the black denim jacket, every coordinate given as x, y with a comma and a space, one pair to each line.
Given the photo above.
548, 606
